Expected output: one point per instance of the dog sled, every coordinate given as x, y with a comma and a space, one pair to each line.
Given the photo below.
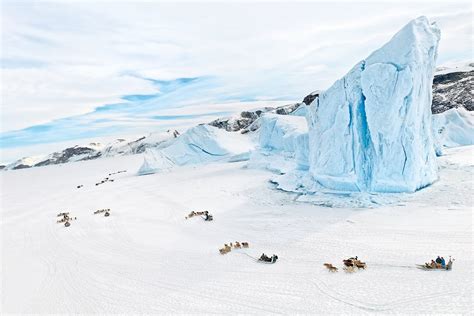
268, 260
429, 268
106, 212
205, 215
66, 219
436, 267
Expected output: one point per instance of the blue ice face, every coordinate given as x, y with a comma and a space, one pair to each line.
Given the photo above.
371, 131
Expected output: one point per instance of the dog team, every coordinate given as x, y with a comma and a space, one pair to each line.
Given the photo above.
237, 245
349, 265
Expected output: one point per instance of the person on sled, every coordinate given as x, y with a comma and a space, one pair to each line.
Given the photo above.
443, 263
265, 258
207, 216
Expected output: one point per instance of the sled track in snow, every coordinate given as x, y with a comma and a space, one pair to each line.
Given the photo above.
374, 307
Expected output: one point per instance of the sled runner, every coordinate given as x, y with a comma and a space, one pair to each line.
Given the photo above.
429, 268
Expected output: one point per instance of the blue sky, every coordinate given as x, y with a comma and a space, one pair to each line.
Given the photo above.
83, 69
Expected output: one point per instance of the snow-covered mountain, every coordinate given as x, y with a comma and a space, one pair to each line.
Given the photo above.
452, 88
119, 147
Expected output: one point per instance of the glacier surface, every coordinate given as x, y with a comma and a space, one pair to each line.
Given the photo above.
371, 131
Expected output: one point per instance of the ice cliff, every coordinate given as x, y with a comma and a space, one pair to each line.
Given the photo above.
371, 130
282, 144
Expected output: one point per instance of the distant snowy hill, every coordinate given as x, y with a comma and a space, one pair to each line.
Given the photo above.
90, 151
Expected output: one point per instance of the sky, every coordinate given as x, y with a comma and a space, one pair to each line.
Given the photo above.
77, 70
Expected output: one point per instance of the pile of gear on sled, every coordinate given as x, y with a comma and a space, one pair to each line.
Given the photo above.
438, 264
266, 259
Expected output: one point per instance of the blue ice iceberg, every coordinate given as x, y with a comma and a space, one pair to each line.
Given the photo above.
198, 145
453, 128
282, 144
371, 131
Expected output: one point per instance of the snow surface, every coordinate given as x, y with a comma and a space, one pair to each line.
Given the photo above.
371, 131
146, 258
455, 67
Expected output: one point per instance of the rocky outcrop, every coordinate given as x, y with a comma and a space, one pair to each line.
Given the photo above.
21, 166
310, 97
119, 147
453, 90
75, 153
247, 121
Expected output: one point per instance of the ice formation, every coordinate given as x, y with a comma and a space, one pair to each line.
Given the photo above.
453, 128
371, 131
282, 145
200, 144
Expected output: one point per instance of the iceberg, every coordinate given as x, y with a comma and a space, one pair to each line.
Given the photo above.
155, 161
282, 132
282, 143
371, 131
199, 144
453, 128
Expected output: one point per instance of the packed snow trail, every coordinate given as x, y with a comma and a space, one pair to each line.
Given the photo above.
146, 258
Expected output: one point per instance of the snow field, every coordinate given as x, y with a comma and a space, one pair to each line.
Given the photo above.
146, 258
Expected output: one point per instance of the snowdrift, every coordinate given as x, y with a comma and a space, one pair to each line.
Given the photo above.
371, 131
199, 144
